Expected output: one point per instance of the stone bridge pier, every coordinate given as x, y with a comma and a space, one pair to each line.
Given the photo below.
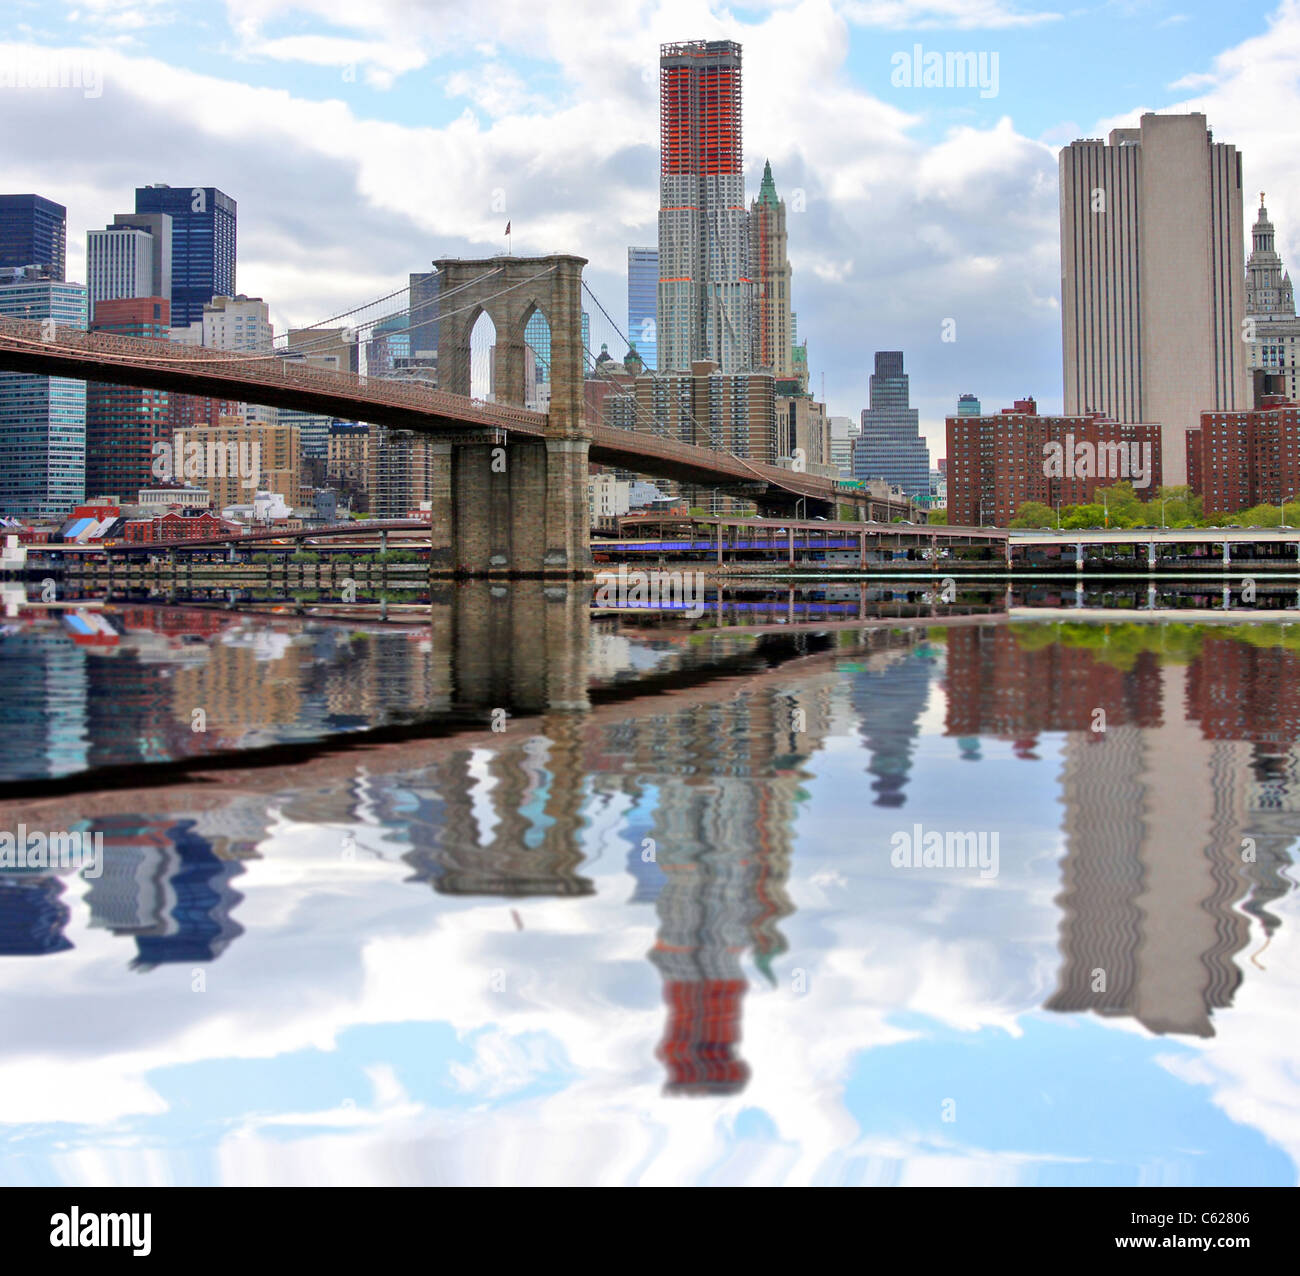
520, 647
514, 508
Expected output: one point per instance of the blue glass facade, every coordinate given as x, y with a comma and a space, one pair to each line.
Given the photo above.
537, 336
643, 303
42, 419
203, 244
33, 232
891, 446
422, 322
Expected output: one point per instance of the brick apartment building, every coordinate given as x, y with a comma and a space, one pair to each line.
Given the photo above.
705, 406
1239, 459
998, 461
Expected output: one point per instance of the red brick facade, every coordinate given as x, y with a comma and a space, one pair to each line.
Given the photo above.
998, 462
1247, 458
176, 525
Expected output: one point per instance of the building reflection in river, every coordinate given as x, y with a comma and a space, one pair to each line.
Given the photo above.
1180, 810
1179, 817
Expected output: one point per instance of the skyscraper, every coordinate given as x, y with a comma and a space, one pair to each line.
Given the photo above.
202, 248
1268, 286
33, 232
537, 338
124, 422
331, 350
1272, 329
704, 406
643, 303
705, 291
890, 446
159, 225
425, 287
1152, 278
42, 419
844, 436
773, 324
389, 348
232, 323
130, 260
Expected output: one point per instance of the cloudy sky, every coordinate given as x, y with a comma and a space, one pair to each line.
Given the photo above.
362, 141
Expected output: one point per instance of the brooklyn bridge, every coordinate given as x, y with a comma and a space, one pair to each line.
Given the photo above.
510, 484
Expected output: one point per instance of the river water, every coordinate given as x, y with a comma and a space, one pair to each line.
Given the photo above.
814, 888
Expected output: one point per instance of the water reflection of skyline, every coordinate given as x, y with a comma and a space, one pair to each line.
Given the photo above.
1179, 816
109, 690
1200, 752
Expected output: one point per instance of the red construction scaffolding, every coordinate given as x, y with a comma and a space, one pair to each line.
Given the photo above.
699, 108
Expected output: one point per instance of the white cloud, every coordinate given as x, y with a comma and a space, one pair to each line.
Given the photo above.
891, 235
943, 14
382, 62
122, 15
494, 88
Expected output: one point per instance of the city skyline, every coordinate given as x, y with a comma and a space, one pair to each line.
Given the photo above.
679, 594
965, 186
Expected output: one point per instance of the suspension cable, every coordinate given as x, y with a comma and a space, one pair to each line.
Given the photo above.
406, 310
214, 357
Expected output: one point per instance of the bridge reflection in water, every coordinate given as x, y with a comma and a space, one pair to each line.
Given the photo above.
702, 786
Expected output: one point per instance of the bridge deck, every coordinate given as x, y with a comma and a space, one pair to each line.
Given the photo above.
1158, 536
28, 346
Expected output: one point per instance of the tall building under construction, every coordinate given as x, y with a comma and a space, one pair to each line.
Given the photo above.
705, 288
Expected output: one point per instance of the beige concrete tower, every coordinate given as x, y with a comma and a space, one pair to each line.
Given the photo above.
770, 261
1153, 873
1152, 278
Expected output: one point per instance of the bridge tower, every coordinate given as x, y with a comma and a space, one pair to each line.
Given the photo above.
517, 508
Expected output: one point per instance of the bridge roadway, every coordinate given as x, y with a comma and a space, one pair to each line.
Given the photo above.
918, 533
356, 529
1114, 545
1156, 536
764, 534
281, 382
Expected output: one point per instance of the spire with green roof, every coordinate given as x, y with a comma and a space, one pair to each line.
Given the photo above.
767, 187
